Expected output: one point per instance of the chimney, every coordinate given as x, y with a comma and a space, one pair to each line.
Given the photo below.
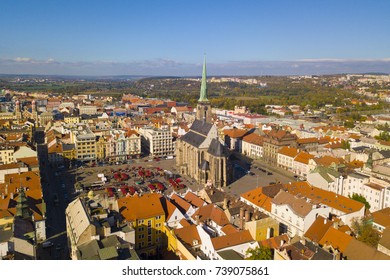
2, 196
6, 189
247, 216
225, 203
12, 195
197, 219
325, 221
241, 213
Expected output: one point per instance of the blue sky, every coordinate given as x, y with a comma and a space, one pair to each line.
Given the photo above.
170, 37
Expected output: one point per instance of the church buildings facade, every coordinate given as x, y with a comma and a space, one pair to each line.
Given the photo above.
199, 153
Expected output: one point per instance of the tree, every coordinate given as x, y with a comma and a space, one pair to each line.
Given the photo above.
361, 199
260, 253
365, 232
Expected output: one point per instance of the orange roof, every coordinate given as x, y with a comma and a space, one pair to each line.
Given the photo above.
253, 138
307, 140
140, 207
183, 109
298, 205
211, 212
30, 161
275, 242
303, 157
130, 132
194, 199
31, 182
260, 198
169, 208
318, 229
184, 222
5, 214
385, 143
287, 151
180, 203
188, 234
335, 238
230, 240
229, 229
235, 132
355, 164
57, 148
382, 217
317, 195
9, 166
374, 186
328, 160
280, 134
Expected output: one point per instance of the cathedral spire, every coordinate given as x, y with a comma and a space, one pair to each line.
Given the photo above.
203, 87
22, 209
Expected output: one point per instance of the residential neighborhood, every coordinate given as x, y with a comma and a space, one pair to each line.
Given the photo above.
93, 178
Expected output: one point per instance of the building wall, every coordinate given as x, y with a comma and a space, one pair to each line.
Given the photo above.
297, 225
24, 247
6, 156
263, 229
149, 235
384, 250
24, 152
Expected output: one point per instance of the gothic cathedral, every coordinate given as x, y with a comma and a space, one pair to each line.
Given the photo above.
199, 153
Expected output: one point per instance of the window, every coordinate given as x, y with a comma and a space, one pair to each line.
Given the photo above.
141, 236
149, 223
149, 239
140, 222
149, 231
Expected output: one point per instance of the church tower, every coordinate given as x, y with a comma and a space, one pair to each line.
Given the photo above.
22, 208
203, 109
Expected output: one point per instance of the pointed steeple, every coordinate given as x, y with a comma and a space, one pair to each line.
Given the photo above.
22, 209
203, 87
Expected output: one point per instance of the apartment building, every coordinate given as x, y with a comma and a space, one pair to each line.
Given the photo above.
146, 215
157, 141
88, 110
6, 155
85, 142
274, 141
252, 146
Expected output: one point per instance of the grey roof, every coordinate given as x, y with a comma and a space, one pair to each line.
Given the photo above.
319, 253
216, 148
67, 147
361, 148
385, 154
201, 127
204, 165
89, 250
22, 227
5, 235
110, 241
358, 175
193, 139
108, 253
230, 255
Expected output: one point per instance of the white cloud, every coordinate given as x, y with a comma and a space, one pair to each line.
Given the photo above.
160, 66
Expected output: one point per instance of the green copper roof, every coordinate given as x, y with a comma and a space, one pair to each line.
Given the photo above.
22, 209
203, 87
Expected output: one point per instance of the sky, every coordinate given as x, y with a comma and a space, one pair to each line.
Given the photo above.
242, 37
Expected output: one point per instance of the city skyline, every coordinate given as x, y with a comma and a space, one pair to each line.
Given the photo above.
152, 38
